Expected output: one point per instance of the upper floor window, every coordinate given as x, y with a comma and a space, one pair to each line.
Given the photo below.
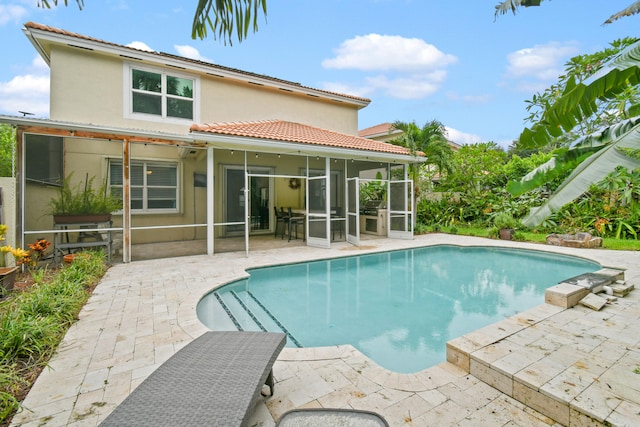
164, 95
154, 185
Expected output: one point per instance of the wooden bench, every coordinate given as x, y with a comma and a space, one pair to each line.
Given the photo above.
216, 380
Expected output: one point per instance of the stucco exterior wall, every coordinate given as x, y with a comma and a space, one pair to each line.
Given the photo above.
83, 87
88, 87
226, 101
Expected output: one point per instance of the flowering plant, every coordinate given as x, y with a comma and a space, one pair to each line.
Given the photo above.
21, 256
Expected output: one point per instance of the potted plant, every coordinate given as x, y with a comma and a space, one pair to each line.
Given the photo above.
7, 272
506, 225
83, 202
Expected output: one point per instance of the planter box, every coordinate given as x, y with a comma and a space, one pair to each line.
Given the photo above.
7, 279
506, 233
81, 219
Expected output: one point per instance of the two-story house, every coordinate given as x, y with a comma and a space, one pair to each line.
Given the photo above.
198, 151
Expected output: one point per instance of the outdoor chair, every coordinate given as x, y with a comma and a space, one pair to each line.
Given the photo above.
285, 220
337, 222
280, 219
294, 222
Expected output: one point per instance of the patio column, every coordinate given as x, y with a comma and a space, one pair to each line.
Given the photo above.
210, 206
126, 200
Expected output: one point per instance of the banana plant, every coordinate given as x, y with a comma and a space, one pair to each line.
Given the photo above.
596, 154
613, 142
578, 100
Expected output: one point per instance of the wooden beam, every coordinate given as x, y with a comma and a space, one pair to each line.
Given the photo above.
104, 135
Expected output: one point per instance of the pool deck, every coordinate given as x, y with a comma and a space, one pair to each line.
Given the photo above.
577, 365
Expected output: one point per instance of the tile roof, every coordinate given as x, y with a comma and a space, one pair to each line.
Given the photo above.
213, 67
388, 129
280, 130
376, 130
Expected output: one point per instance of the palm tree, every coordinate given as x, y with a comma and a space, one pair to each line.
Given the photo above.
240, 14
224, 17
229, 16
429, 140
513, 5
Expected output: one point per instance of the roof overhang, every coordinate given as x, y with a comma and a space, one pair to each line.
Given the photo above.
53, 127
41, 39
300, 149
201, 140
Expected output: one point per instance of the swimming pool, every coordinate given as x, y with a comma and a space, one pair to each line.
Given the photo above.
399, 308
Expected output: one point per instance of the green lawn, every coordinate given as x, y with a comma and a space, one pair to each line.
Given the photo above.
528, 236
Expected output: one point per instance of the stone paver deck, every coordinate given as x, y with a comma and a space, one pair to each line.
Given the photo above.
562, 363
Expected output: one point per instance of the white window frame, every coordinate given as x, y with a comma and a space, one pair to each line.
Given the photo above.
128, 95
145, 200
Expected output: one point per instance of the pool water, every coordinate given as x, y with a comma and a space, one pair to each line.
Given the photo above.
399, 308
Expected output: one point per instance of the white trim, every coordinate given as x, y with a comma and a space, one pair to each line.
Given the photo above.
179, 181
301, 149
127, 108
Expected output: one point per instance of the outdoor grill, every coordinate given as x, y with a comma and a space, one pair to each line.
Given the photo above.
371, 207
373, 218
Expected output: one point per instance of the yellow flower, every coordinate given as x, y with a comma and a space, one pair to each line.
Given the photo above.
6, 249
20, 255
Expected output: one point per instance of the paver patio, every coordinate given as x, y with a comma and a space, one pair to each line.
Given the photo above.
143, 312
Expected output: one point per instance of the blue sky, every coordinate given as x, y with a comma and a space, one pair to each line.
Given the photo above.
417, 60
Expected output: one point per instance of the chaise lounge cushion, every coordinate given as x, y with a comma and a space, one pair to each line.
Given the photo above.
214, 381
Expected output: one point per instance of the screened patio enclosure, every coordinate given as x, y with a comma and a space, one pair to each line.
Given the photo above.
186, 195
314, 189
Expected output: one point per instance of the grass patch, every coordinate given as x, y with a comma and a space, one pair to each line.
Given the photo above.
621, 245
530, 236
34, 321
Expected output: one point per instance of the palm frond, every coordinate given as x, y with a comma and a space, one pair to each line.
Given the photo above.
513, 5
45, 3
224, 17
628, 11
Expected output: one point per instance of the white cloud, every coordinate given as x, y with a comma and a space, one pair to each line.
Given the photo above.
11, 13
381, 52
408, 87
462, 138
190, 52
27, 92
362, 91
409, 68
538, 66
140, 46
39, 66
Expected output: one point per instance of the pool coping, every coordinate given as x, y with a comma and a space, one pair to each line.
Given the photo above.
143, 312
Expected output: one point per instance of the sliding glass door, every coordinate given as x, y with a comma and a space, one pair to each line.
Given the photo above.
257, 197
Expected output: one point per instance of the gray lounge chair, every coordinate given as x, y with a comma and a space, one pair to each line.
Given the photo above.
213, 381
